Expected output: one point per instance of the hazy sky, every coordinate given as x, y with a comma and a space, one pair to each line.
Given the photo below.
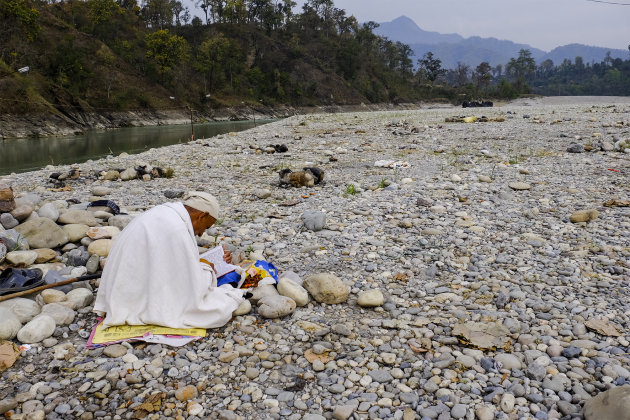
543, 24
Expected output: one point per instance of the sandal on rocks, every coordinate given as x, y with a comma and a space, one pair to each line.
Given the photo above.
13, 280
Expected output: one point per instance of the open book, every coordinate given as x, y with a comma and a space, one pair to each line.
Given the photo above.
215, 256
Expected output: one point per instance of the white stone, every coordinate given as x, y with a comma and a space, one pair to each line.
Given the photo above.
60, 313
326, 288
24, 309
21, 258
276, 306
9, 324
243, 309
371, 298
79, 298
39, 328
288, 288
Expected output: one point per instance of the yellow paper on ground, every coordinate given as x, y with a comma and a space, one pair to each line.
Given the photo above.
123, 332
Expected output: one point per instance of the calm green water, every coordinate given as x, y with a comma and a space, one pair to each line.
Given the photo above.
22, 155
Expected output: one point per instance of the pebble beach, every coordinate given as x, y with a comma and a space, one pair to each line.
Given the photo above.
454, 270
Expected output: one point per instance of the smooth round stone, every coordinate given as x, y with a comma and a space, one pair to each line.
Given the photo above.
49, 211
288, 288
100, 191
484, 178
554, 350
252, 373
60, 313
262, 291
36, 330
129, 174
100, 247
116, 350
22, 212
21, 258
82, 217
613, 404
584, 216
326, 288
53, 296
519, 186
458, 411
456, 178
120, 220
45, 255
507, 403
75, 232
484, 413
243, 309
314, 220
263, 193
371, 298
276, 306
186, 393
79, 298
508, 361
103, 232
8, 221
9, 324
24, 309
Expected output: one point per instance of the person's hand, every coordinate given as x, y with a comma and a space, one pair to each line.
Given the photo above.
227, 255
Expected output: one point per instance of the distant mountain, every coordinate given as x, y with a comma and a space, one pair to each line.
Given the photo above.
453, 48
589, 54
405, 30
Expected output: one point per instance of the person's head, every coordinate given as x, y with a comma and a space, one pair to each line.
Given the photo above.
203, 210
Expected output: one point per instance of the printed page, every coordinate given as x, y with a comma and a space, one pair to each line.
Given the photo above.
215, 256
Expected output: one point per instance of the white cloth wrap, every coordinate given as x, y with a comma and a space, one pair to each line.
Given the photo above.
153, 276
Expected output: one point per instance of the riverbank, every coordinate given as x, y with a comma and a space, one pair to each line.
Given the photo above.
503, 265
72, 123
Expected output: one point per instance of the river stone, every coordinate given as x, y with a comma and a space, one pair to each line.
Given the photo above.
128, 174
613, 404
39, 328
111, 175
120, 220
519, 186
575, 148
276, 306
262, 291
7, 199
326, 288
584, 216
78, 257
100, 191
314, 220
92, 264
45, 255
8, 221
21, 258
75, 232
53, 296
484, 178
78, 298
103, 232
82, 217
3, 251
371, 298
489, 335
288, 288
13, 240
24, 309
49, 211
100, 247
9, 324
22, 212
243, 309
508, 361
60, 313
42, 233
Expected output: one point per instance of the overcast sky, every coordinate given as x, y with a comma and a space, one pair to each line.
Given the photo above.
543, 24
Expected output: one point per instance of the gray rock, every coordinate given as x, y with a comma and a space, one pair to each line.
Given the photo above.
39, 328
458, 411
81, 217
575, 148
536, 372
288, 288
381, 375
314, 220
13, 240
3, 251
79, 298
21, 258
8, 221
326, 288
60, 313
371, 298
78, 257
22, 212
120, 221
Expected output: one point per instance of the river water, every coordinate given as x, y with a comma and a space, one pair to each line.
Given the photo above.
23, 155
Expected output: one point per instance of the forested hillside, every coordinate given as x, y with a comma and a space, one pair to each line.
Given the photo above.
106, 54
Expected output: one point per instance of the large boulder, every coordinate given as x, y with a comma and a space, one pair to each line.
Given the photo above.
276, 306
42, 233
613, 404
24, 309
38, 329
326, 288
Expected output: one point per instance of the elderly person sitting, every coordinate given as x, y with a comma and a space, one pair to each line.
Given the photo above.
153, 274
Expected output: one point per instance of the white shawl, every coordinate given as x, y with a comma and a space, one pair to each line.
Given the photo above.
153, 276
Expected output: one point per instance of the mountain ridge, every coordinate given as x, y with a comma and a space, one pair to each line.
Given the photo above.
452, 49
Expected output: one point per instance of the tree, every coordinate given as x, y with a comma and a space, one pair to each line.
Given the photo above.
522, 67
212, 54
430, 67
165, 50
482, 75
158, 13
